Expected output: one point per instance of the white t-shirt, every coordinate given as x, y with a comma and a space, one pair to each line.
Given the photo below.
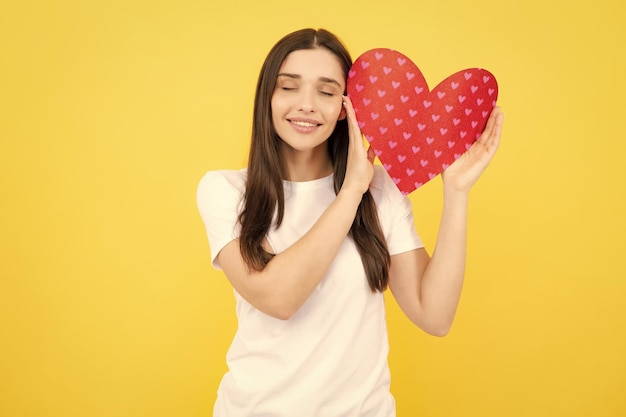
330, 357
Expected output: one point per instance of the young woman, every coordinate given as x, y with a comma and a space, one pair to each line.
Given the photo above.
312, 233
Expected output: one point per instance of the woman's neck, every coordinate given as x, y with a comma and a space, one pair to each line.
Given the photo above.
307, 166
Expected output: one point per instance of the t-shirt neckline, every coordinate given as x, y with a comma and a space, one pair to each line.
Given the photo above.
310, 185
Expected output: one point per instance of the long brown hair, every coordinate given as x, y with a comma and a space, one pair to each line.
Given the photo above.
263, 197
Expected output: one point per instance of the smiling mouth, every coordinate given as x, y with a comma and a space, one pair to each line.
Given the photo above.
303, 123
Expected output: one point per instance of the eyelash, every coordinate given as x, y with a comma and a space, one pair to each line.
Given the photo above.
325, 93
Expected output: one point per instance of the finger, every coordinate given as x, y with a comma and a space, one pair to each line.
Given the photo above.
347, 104
356, 138
488, 132
492, 141
497, 130
489, 126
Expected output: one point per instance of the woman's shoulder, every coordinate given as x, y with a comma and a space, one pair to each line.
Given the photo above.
384, 191
382, 182
223, 180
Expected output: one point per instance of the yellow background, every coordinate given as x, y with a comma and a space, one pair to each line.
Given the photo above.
111, 111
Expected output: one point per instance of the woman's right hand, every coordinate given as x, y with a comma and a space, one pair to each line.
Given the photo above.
290, 277
360, 168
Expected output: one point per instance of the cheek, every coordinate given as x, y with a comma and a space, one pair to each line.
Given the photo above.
336, 109
274, 108
279, 103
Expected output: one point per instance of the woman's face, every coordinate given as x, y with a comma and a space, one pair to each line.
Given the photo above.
307, 101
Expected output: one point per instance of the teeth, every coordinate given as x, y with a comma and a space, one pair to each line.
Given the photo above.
304, 124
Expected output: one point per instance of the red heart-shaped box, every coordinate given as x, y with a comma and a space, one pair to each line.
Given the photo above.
417, 133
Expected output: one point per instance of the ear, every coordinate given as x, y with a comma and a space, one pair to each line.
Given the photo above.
342, 114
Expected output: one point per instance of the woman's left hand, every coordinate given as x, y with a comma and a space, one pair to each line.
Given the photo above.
465, 171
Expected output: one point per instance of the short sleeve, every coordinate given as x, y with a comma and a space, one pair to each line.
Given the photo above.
219, 196
395, 214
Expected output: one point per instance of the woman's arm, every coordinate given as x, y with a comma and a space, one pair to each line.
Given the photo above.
288, 280
428, 289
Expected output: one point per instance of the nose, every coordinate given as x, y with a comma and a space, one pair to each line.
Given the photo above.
307, 101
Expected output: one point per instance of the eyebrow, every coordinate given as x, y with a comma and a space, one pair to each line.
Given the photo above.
322, 79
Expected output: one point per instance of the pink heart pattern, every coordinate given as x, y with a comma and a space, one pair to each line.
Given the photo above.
417, 133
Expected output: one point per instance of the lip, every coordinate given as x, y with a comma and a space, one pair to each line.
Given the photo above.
313, 124
303, 119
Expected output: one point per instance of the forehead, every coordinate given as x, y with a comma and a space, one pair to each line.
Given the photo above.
313, 64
